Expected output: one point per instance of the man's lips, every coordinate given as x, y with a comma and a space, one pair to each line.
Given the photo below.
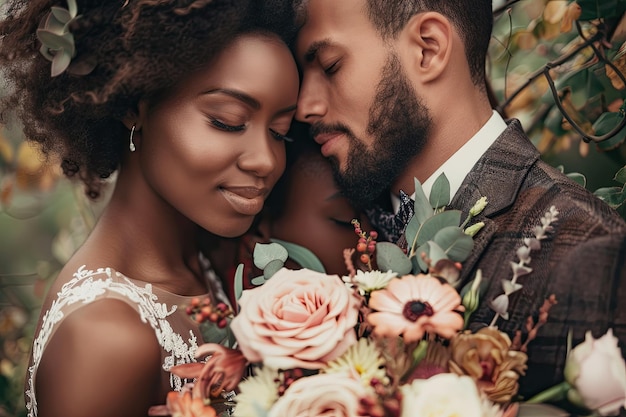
327, 140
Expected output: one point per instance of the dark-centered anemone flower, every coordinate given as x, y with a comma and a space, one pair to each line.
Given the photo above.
413, 305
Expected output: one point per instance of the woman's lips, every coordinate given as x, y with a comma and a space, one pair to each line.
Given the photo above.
245, 200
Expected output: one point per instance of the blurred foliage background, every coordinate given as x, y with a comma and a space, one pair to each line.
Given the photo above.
557, 65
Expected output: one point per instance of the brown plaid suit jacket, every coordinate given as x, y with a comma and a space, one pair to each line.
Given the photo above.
583, 261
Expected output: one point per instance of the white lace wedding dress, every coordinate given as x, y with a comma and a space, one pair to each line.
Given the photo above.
177, 334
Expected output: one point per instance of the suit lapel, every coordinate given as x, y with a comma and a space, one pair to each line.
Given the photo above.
498, 175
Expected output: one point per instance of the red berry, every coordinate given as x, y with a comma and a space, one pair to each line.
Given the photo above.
371, 247
213, 317
222, 307
365, 258
195, 302
189, 310
206, 311
374, 234
222, 323
361, 247
199, 318
362, 240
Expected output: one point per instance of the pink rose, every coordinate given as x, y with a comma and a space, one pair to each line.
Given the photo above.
597, 372
297, 319
328, 395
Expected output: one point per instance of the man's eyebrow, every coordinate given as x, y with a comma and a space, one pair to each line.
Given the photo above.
249, 100
314, 48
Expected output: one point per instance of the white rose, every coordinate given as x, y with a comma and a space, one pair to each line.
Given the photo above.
597, 372
445, 395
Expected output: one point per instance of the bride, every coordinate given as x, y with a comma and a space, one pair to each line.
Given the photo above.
189, 101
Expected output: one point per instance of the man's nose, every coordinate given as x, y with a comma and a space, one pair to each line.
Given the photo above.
312, 101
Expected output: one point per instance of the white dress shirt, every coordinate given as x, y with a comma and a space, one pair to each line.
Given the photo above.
461, 163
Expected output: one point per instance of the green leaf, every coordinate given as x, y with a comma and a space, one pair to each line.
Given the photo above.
621, 175
418, 262
264, 253
613, 196
578, 177
554, 121
302, 256
211, 333
601, 9
412, 228
455, 243
272, 268
440, 193
604, 124
54, 41
436, 253
61, 14
437, 222
60, 63
423, 210
238, 283
72, 7
256, 281
391, 257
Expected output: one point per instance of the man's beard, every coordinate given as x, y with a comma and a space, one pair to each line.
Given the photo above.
399, 123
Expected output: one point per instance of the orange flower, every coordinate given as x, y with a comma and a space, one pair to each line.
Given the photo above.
183, 404
413, 305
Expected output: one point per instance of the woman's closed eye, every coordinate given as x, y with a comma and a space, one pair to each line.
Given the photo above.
225, 126
280, 136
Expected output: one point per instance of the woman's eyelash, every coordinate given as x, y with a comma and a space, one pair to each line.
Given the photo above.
226, 127
342, 223
280, 137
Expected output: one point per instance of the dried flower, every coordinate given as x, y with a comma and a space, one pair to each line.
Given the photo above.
362, 360
486, 357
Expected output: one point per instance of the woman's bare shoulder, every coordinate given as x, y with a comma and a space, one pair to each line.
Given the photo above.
102, 361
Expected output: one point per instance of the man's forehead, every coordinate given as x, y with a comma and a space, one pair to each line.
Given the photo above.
326, 23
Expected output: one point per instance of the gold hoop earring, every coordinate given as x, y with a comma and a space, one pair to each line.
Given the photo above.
132, 145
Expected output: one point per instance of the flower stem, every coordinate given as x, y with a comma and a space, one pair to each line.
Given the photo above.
554, 393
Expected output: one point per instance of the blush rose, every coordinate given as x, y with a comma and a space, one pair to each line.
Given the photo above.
297, 319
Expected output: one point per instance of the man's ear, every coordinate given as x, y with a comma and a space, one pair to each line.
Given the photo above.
428, 38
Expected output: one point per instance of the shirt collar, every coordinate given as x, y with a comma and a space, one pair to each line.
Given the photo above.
462, 161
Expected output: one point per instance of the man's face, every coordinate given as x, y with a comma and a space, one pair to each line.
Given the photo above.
355, 94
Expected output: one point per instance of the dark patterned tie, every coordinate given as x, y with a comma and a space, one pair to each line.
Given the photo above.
391, 226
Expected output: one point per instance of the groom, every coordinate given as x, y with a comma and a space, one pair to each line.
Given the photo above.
395, 90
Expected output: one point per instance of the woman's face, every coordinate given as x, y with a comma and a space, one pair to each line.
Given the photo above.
213, 148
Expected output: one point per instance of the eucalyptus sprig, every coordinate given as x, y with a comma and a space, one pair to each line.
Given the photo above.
436, 238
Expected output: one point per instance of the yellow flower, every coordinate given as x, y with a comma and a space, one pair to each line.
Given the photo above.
362, 360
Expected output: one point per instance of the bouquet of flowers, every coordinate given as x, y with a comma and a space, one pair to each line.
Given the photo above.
390, 340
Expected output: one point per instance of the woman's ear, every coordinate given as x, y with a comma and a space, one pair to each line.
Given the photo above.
428, 41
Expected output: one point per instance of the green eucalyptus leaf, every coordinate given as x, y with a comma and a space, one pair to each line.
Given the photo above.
272, 268
391, 257
302, 256
578, 177
264, 253
410, 233
423, 210
212, 333
256, 281
437, 222
72, 7
238, 284
61, 14
436, 253
440, 193
554, 121
455, 243
613, 196
60, 63
418, 262
620, 176
54, 41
